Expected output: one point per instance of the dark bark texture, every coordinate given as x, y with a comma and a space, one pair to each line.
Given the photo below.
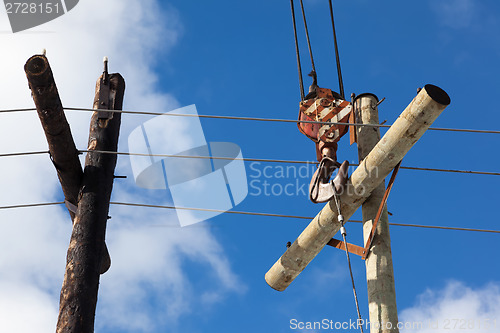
81, 281
63, 152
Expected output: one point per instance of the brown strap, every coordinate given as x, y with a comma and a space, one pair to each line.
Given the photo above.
358, 250
352, 129
380, 209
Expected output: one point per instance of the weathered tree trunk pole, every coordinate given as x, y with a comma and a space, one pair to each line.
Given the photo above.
379, 269
62, 148
81, 281
388, 152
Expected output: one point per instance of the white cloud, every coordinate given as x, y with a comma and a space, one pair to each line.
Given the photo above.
16, 314
456, 308
147, 284
455, 14
151, 257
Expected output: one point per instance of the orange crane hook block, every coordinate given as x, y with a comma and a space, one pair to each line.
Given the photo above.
318, 116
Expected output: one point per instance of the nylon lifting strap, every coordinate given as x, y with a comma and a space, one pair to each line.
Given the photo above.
358, 250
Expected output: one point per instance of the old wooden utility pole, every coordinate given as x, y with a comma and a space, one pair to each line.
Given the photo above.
63, 152
379, 269
381, 160
81, 280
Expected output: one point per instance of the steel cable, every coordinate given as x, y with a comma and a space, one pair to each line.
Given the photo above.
297, 52
257, 119
254, 214
307, 35
344, 236
337, 56
263, 160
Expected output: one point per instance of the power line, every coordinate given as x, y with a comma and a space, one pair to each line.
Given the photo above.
453, 171
17, 110
32, 205
210, 210
252, 214
280, 120
281, 161
209, 116
25, 153
257, 119
443, 228
463, 130
263, 160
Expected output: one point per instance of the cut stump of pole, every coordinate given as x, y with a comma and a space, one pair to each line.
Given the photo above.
81, 281
62, 148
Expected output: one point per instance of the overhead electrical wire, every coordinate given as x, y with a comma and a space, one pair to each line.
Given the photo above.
32, 205
253, 214
257, 119
279, 161
263, 160
24, 153
341, 87
207, 210
279, 120
463, 130
17, 110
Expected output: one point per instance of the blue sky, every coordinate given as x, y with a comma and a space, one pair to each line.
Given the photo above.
233, 58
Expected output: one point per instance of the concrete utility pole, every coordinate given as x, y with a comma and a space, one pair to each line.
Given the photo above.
388, 152
63, 152
81, 281
379, 269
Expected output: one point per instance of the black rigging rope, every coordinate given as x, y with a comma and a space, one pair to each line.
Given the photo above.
337, 57
307, 36
301, 83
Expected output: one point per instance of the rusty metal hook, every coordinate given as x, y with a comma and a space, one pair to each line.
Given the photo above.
321, 189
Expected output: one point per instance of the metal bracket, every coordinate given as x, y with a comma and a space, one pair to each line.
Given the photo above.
71, 207
353, 130
104, 94
354, 249
365, 251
